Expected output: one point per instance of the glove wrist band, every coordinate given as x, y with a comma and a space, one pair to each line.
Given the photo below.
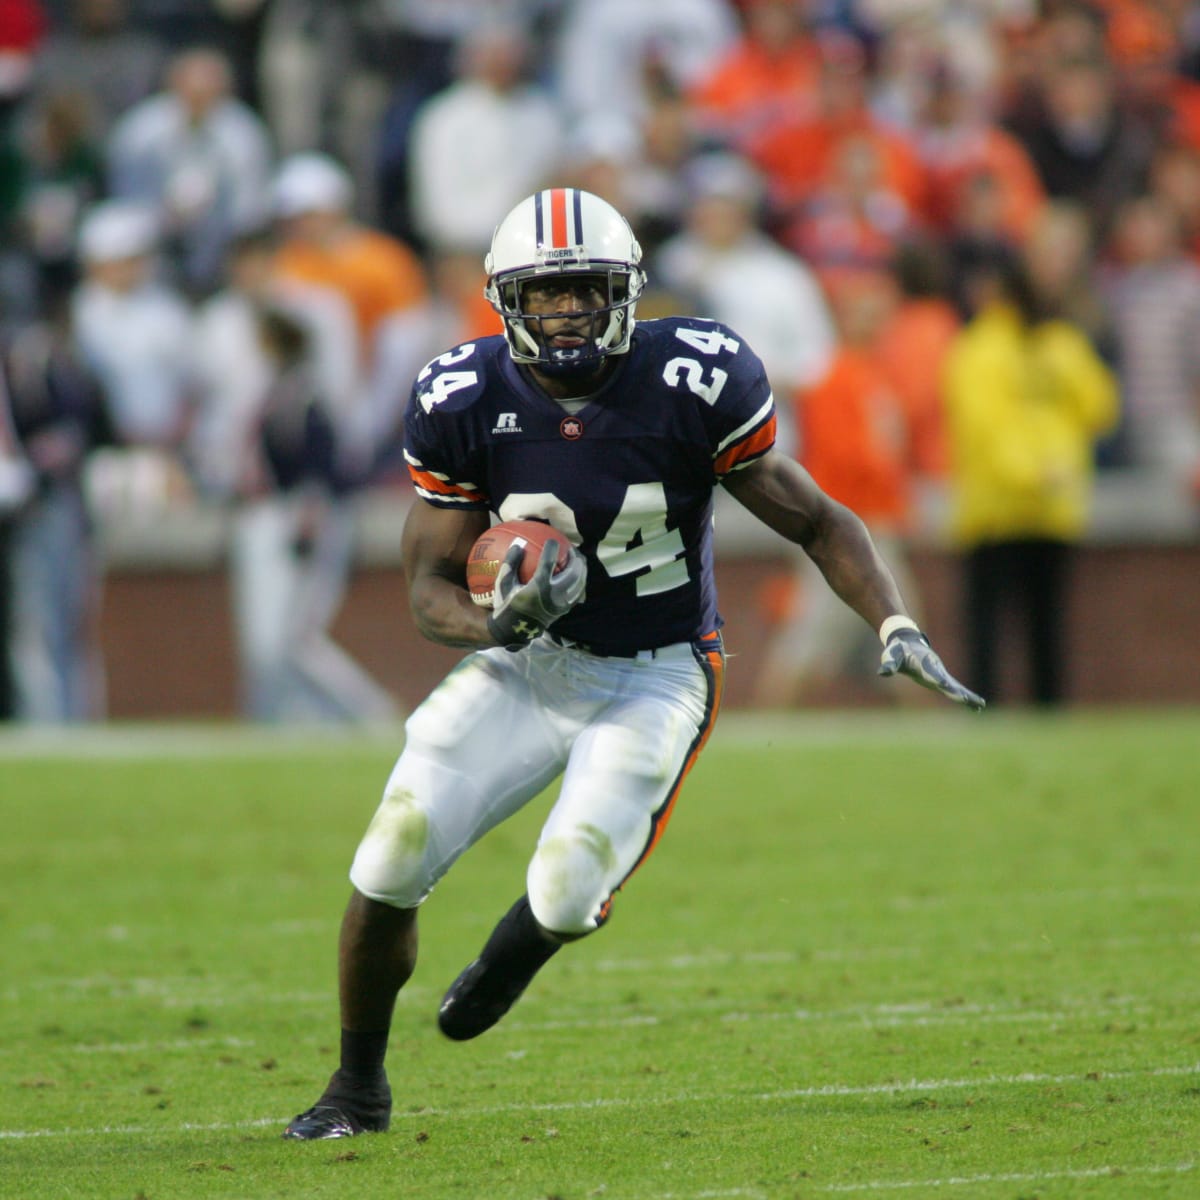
894, 624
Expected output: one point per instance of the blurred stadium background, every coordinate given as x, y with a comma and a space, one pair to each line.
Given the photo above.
842, 132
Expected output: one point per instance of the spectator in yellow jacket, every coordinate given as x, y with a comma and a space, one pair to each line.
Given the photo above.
1027, 398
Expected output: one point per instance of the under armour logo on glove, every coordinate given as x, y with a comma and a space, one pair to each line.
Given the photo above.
520, 611
908, 652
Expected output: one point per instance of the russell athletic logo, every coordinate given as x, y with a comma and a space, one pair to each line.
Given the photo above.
507, 423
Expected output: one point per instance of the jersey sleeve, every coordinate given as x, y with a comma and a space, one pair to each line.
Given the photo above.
751, 439
441, 453
725, 373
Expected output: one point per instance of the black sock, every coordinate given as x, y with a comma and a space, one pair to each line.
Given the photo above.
518, 943
362, 1056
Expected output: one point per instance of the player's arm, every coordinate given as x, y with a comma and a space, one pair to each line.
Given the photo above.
435, 546
783, 495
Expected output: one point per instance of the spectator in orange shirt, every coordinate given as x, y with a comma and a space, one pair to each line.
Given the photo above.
853, 221
381, 278
852, 429
799, 155
769, 75
854, 442
1142, 36
324, 245
956, 139
1146, 44
911, 345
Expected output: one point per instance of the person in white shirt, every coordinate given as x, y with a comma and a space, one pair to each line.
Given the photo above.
730, 270
133, 329
274, 360
608, 51
199, 157
482, 143
228, 364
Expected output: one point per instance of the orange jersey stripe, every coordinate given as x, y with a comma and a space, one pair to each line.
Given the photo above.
759, 442
716, 663
427, 481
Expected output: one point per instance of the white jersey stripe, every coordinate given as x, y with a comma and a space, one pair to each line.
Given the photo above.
743, 429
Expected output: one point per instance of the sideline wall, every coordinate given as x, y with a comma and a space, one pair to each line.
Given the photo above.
1134, 623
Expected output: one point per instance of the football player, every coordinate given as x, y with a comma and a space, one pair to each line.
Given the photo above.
607, 673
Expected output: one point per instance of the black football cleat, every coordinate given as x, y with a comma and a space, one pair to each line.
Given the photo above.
518, 948
343, 1111
479, 997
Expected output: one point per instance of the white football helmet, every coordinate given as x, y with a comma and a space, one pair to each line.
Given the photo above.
565, 231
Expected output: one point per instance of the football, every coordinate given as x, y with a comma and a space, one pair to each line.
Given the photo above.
487, 554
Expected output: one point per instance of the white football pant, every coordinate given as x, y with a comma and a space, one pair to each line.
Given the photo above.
622, 732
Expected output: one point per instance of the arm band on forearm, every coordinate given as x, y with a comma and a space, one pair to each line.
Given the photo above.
894, 624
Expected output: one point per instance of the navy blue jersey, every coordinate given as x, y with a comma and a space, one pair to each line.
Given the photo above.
629, 478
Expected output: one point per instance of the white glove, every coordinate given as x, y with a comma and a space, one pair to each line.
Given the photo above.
908, 652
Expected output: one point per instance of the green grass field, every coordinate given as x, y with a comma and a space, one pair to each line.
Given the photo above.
911, 955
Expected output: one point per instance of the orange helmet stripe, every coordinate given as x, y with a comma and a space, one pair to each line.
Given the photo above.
558, 218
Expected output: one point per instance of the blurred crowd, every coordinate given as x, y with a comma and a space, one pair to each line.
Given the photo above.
232, 231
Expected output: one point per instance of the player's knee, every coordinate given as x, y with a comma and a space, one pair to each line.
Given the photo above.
390, 864
570, 880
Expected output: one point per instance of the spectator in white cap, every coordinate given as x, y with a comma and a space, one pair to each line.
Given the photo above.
118, 232
311, 183
133, 331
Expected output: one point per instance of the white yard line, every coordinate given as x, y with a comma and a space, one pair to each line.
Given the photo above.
878, 1016
890, 1185
860, 1018
709, 1194
204, 1043
683, 963
898, 1087
867, 1016
688, 962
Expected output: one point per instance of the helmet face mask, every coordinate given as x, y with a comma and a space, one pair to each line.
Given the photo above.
568, 237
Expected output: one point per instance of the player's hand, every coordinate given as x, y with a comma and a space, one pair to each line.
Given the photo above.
521, 611
908, 652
